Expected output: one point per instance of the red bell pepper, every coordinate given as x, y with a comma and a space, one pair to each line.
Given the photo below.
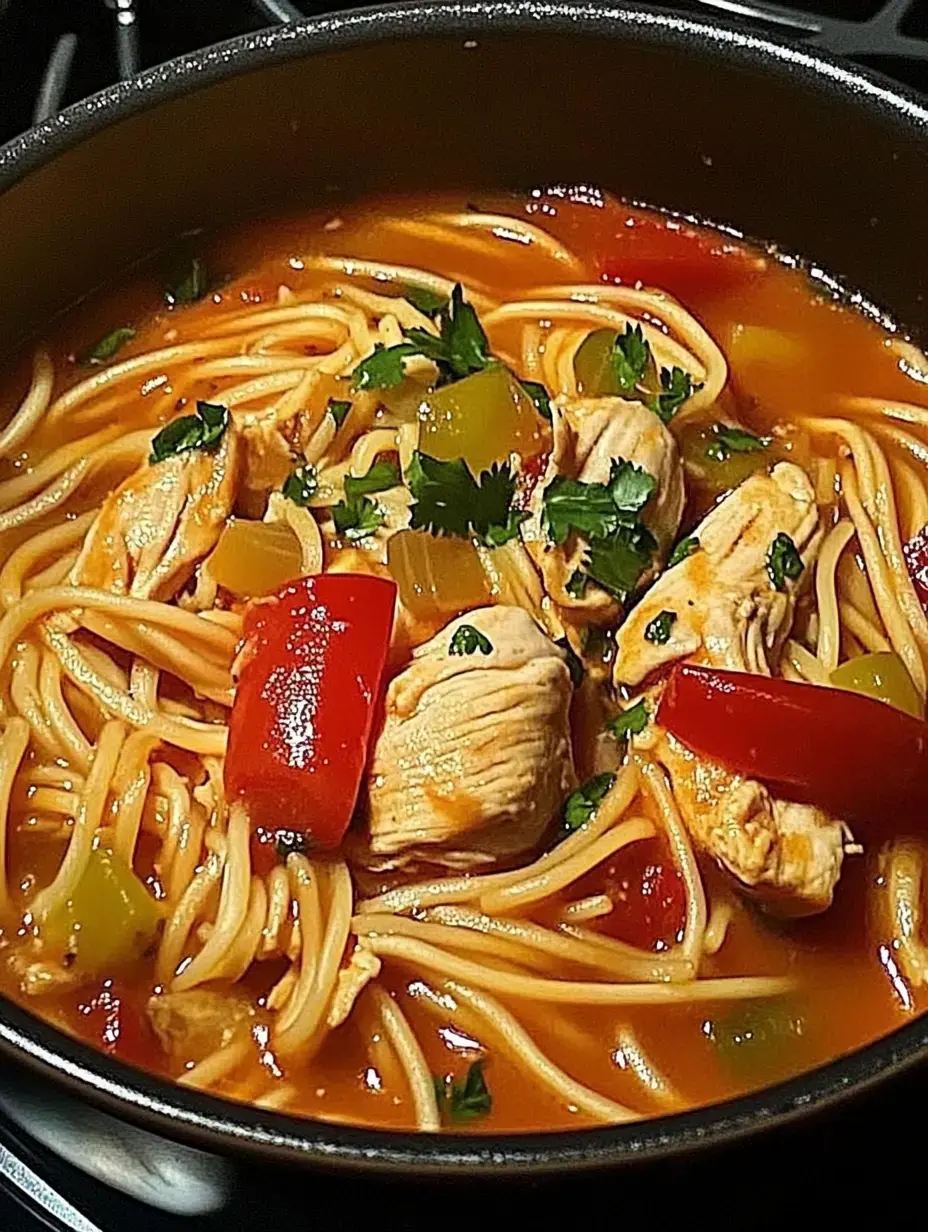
859, 758
916, 558
307, 696
647, 892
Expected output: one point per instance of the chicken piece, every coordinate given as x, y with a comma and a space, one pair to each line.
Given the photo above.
363, 966
159, 523
37, 977
475, 750
268, 461
589, 435
727, 611
192, 1024
729, 615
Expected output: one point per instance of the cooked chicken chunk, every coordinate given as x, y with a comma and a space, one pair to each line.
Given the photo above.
725, 607
729, 614
588, 436
160, 522
475, 750
192, 1024
363, 966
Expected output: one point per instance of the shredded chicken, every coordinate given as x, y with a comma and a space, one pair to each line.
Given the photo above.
363, 966
38, 977
153, 530
194, 1023
589, 435
475, 750
729, 615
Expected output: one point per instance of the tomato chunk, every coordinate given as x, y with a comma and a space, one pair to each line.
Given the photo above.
307, 697
647, 892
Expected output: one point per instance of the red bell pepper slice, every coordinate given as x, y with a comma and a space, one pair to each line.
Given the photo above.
856, 757
307, 695
647, 892
916, 558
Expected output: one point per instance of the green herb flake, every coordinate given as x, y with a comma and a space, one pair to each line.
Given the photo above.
357, 519
577, 584
676, 387
383, 369
429, 303
684, 549
539, 396
630, 722
380, 478
783, 561
204, 430
466, 1100
658, 629
461, 347
450, 501
300, 485
573, 661
631, 486
190, 286
617, 561
727, 440
107, 347
338, 408
596, 510
467, 641
582, 804
631, 359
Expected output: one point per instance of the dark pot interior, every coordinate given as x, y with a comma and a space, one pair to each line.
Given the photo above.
697, 119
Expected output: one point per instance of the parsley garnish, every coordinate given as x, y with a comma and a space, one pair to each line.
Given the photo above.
597, 509
338, 408
190, 286
727, 440
467, 1100
203, 430
383, 368
107, 347
461, 347
783, 561
631, 359
685, 548
539, 396
658, 629
300, 485
676, 387
582, 804
617, 561
574, 663
356, 516
426, 301
450, 501
630, 722
467, 641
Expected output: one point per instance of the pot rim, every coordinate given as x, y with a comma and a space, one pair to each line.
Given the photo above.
214, 1122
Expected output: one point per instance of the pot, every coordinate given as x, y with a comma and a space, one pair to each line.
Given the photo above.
694, 116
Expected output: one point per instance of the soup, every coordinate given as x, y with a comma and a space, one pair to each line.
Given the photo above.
451, 657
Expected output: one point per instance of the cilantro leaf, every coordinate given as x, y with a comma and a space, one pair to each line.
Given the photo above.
300, 485
630, 722
190, 285
658, 629
467, 641
357, 519
380, 478
461, 347
686, 547
783, 561
573, 661
727, 440
107, 347
384, 368
572, 505
582, 804
450, 501
427, 302
631, 358
676, 387
467, 1100
204, 430
338, 408
630, 486
617, 561
539, 396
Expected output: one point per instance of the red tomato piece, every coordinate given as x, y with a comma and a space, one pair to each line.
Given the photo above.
916, 558
648, 895
111, 1020
852, 755
306, 700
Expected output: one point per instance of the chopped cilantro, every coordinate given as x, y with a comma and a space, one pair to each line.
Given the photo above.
727, 440
676, 387
204, 430
427, 302
380, 478
539, 396
357, 519
597, 509
467, 641
685, 548
450, 501
300, 485
783, 561
617, 561
631, 359
107, 347
630, 722
383, 368
467, 1100
582, 804
338, 408
658, 629
191, 284
461, 347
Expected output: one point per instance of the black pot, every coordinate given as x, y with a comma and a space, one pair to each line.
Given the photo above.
696, 117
